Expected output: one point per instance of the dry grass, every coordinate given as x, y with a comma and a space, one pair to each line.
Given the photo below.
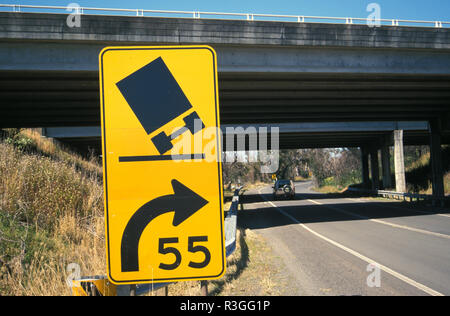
447, 183
300, 178
329, 189
57, 151
429, 189
252, 270
51, 214
421, 162
418, 173
256, 185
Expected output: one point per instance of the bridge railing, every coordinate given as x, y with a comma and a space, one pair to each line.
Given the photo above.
222, 15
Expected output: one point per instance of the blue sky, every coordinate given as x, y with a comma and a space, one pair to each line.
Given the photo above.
401, 9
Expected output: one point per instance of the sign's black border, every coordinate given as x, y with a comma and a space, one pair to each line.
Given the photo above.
105, 161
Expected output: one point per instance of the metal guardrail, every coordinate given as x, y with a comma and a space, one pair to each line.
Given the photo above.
226, 15
404, 196
230, 224
395, 195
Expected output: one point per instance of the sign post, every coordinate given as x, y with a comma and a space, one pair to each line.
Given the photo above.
162, 164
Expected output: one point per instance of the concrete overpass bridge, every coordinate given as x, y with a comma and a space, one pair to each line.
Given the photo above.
289, 74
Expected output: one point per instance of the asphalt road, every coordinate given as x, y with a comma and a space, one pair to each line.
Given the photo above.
334, 245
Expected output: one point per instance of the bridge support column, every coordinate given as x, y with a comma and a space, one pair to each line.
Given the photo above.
436, 163
375, 169
386, 165
365, 167
399, 162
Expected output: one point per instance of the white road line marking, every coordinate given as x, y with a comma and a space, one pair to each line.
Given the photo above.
398, 207
417, 230
400, 276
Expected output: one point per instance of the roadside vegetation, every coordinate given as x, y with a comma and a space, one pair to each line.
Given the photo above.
332, 170
345, 169
328, 168
51, 215
418, 171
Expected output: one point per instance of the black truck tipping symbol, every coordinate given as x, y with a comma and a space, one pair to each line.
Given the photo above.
156, 99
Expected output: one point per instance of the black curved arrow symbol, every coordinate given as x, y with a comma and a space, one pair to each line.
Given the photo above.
184, 203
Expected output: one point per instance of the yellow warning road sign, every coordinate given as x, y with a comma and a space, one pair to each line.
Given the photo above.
162, 164
93, 286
